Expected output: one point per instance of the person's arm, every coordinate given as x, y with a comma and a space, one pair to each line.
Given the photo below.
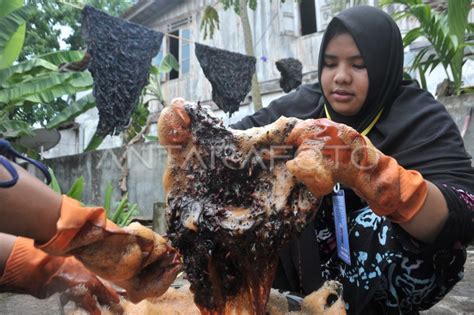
6, 246
430, 219
330, 153
61, 226
28, 270
29, 208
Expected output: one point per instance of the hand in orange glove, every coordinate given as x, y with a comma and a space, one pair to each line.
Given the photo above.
31, 271
134, 257
330, 153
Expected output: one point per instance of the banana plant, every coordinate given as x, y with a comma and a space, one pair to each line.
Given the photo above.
36, 81
446, 32
13, 16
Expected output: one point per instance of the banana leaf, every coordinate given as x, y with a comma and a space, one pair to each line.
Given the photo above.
95, 142
25, 68
13, 128
73, 110
168, 63
12, 30
47, 88
63, 56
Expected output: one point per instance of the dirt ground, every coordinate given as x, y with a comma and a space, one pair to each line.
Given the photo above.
459, 301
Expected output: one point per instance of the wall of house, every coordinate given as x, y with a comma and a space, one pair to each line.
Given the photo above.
276, 30
271, 42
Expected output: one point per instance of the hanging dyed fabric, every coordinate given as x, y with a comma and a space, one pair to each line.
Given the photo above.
230, 75
291, 73
121, 54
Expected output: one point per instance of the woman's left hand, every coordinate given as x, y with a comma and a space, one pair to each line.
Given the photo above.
330, 153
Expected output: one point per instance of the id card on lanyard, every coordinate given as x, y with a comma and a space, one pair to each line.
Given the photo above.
340, 222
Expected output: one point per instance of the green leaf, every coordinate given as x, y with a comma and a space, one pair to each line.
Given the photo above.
72, 111
168, 63
120, 208
151, 138
14, 128
12, 33
64, 56
94, 143
132, 211
411, 36
24, 68
108, 199
77, 188
54, 182
209, 22
154, 70
46, 88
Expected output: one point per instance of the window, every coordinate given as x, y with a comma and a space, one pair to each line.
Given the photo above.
177, 44
316, 14
308, 17
158, 58
174, 50
287, 18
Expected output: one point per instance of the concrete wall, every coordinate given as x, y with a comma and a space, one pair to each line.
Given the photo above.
145, 163
461, 109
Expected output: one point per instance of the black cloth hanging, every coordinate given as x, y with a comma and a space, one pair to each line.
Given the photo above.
121, 54
230, 75
291, 71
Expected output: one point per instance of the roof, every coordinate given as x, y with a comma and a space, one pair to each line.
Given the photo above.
145, 12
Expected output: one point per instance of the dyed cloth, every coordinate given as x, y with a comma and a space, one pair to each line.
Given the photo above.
230, 75
291, 73
121, 54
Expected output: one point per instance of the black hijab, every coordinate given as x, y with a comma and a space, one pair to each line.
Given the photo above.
380, 44
414, 128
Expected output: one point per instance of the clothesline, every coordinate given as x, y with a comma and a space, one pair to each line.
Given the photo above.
262, 58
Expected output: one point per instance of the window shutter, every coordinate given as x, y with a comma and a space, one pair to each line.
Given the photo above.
287, 18
185, 58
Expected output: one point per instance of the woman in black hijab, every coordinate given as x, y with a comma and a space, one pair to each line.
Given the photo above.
394, 267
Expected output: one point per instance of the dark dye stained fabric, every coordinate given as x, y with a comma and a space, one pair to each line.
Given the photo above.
391, 272
230, 75
291, 71
121, 54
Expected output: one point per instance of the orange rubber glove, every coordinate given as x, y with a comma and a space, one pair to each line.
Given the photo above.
134, 257
32, 271
330, 153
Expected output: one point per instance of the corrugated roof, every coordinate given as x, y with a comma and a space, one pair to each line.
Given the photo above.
145, 12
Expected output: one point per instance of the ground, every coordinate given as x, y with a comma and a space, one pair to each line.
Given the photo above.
459, 301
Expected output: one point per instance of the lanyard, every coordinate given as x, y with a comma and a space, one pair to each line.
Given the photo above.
339, 205
366, 130
7, 150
